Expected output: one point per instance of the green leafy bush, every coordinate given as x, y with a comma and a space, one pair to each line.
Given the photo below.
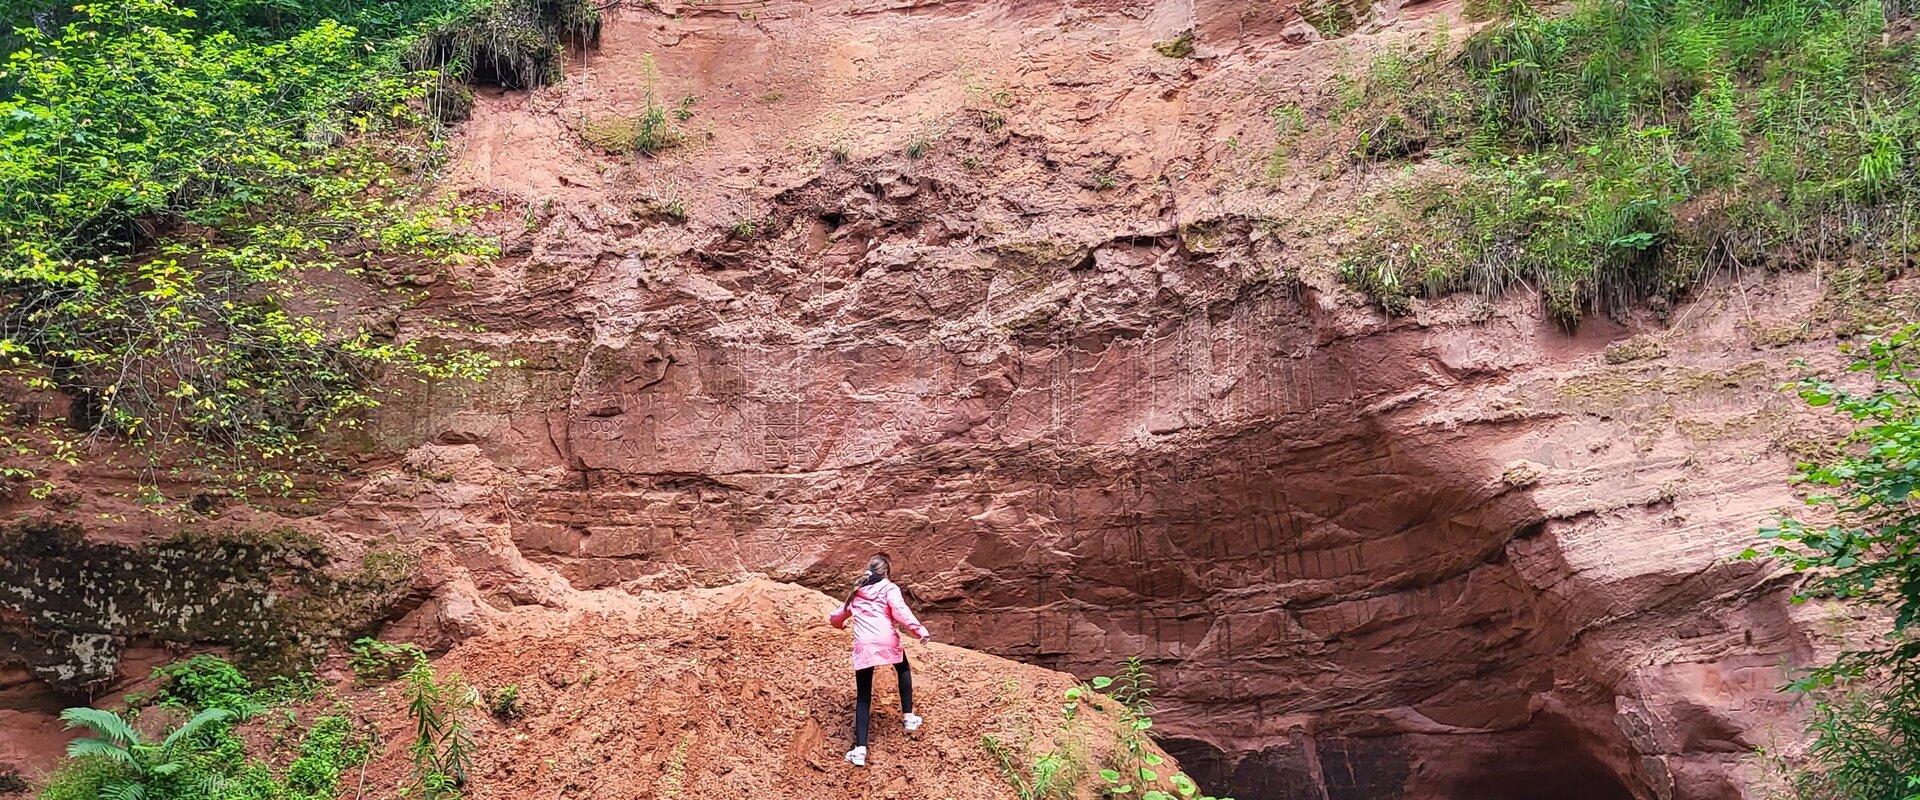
328, 749
205, 681
171, 177
176, 766
504, 702
80, 779
205, 758
1869, 550
1625, 148
1131, 769
510, 43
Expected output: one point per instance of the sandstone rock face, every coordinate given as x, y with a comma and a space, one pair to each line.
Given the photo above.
1001, 290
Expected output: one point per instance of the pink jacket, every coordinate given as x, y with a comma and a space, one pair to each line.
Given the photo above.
875, 610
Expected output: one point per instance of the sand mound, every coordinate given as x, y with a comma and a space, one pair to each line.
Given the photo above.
736, 692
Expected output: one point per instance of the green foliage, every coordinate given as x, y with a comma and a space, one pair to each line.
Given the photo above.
1049, 776
173, 767
206, 681
80, 779
328, 749
1868, 550
1864, 549
374, 661
648, 132
1178, 47
1332, 18
442, 748
504, 702
1866, 746
510, 43
1288, 123
746, 229
1628, 148
1132, 768
172, 175
204, 758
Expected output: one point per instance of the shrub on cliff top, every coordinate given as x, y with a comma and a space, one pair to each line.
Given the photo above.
510, 43
1622, 148
172, 175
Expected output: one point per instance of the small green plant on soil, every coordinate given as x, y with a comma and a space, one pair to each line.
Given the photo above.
1048, 776
1861, 546
918, 147
1288, 123
648, 132
504, 702
1035, 770
442, 746
672, 780
1132, 769
746, 229
1332, 18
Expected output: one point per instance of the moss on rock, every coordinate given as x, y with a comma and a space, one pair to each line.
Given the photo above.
276, 598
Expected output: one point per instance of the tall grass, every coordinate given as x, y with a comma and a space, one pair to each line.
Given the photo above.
1621, 148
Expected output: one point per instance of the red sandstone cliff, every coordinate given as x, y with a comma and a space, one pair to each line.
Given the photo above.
998, 288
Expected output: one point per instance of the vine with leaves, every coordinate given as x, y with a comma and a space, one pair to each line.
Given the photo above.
1860, 543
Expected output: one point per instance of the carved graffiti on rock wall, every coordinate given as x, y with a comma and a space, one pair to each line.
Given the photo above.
735, 408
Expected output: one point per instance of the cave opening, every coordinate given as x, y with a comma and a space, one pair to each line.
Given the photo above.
1551, 758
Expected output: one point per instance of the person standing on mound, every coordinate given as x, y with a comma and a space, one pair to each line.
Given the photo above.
876, 606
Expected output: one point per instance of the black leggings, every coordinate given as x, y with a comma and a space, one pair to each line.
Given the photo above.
863, 698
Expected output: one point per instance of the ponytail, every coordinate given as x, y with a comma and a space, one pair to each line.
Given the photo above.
874, 575
870, 579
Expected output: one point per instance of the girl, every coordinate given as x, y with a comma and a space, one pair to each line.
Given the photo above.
876, 606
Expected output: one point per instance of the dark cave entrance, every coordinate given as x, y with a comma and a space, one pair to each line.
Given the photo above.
1550, 759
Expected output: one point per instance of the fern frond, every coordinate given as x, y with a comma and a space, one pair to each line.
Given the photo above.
123, 790
97, 748
105, 724
193, 726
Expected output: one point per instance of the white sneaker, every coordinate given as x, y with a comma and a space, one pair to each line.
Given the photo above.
857, 756
913, 722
